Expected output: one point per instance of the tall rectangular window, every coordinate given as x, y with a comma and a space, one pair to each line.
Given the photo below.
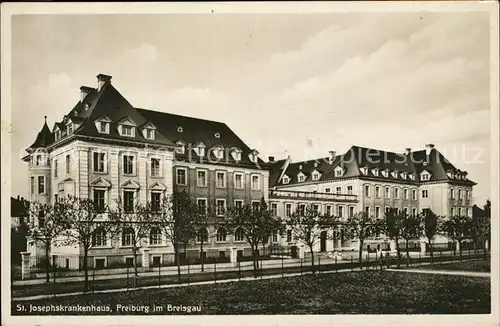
68, 164
387, 192
155, 167
221, 179
238, 181
202, 205
338, 190
201, 179
38, 159
396, 193
255, 182
425, 194
155, 201
55, 168
99, 200
128, 164
41, 184
128, 201
99, 162
32, 185
460, 195
181, 177
288, 210
414, 211
220, 207
405, 193
328, 210
238, 203
274, 209
351, 211
377, 192
367, 210
377, 212
349, 190
340, 211
414, 194
256, 205
367, 191
302, 209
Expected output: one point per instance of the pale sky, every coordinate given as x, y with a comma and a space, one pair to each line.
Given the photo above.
300, 84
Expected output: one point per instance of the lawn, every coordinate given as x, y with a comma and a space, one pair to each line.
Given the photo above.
472, 266
370, 292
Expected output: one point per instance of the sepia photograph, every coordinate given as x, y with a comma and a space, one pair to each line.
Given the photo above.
223, 159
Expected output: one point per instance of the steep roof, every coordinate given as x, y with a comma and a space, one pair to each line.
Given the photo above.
44, 137
358, 157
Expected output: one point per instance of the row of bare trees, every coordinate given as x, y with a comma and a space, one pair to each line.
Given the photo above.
180, 220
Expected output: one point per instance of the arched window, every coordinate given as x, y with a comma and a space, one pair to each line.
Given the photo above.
127, 236
99, 237
202, 235
155, 236
221, 235
239, 235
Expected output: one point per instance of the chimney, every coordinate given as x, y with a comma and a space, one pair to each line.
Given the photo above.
101, 80
428, 149
17, 197
300, 167
407, 151
271, 158
84, 91
331, 158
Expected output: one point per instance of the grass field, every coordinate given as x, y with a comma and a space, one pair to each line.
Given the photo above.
370, 292
472, 266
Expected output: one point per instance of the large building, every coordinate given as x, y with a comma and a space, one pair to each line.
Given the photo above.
105, 149
370, 180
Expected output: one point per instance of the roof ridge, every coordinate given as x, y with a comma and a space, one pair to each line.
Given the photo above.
180, 115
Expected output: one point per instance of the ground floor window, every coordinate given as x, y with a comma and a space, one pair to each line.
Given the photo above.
100, 263
156, 260
129, 261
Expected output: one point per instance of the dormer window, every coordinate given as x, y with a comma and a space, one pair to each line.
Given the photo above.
127, 131
403, 175
411, 176
236, 154
181, 148
286, 179
339, 171
104, 127
375, 172
394, 174
424, 176
200, 149
87, 106
149, 133
58, 135
69, 128
385, 173
253, 155
315, 175
301, 177
364, 170
218, 152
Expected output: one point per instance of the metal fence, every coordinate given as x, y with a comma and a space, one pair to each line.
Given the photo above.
158, 274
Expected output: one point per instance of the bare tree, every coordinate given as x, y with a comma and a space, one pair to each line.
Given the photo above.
429, 227
410, 229
307, 226
458, 228
393, 226
47, 224
360, 226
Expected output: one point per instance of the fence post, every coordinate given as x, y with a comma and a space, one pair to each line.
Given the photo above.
282, 272
301, 266
215, 271
239, 270
319, 264
54, 269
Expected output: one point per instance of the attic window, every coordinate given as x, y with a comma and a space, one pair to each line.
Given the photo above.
180, 129
104, 127
411, 176
87, 106
75, 113
149, 133
315, 176
385, 173
375, 172
301, 178
424, 176
58, 135
200, 149
364, 170
217, 135
180, 148
70, 128
218, 152
395, 174
286, 179
253, 155
236, 154
403, 175
128, 131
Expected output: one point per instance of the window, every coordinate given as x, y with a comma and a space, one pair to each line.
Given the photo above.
99, 200
200, 150
100, 263
155, 201
99, 162
255, 205
150, 133
425, 176
220, 207
103, 127
128, 201
377, 192
129, 261
55, 168
377, 212
414, 194
367, 210
367, 191
452, 211
221, 179
181, 176
202, 235
288, 210
275, 236
238, 181
425, 194
340, 211
32, 185
68, 164
127, 131
301, 177
238, 203
452, 194
155, 167
156, 260
274, 209
468, 211
99, 237
236, 154
180, 149
387, 209
338, 190
349, 190
255, 182
70, 128
460, 211
202, 205
239, 235
218, 152
302, 209
375, 172
41, 184
128, 164
288, 235
201, 179
56, 197
286, 179
58, 135
405, 210
328, 210
414, 211
351, 211
315, 176
460, 195
221, 235
405, 193
316, 208
327, 190
466, 194
338, 172
396, 193
127, 237
387, 192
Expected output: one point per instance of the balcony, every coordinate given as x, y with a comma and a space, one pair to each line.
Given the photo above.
304, 195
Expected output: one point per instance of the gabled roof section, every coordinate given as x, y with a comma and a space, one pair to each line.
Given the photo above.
104, 118
130, 184
157, 186
101, 183
44, 137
